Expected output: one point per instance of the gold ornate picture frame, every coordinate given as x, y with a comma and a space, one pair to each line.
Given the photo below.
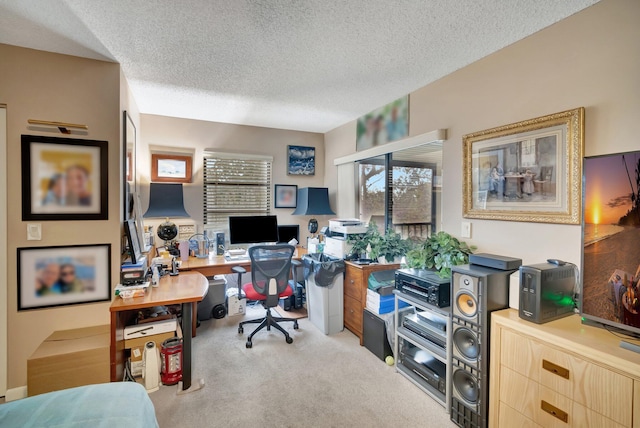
527, 171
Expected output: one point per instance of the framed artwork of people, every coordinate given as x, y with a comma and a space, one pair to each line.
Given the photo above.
64, 178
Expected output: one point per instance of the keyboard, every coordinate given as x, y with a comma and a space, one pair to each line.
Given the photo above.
236, 258
237, 252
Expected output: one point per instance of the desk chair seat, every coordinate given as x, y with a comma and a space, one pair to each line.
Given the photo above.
270, 269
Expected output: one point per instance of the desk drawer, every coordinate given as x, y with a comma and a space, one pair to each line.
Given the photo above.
353, 315
353, 284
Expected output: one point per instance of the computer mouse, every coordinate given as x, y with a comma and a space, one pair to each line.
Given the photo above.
556, 262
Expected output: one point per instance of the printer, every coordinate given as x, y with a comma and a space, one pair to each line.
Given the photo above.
336, 244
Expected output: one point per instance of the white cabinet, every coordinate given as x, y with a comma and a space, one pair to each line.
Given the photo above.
422, 338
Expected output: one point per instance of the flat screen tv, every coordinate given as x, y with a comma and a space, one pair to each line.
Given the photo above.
611, 239
135, 249
245, 230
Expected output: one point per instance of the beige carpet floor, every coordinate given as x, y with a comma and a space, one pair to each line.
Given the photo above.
317, 381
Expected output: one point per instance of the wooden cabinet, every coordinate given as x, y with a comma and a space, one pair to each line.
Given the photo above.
560, 374
356, 280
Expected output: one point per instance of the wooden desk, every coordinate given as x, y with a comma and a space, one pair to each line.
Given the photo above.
218, 265
186, 289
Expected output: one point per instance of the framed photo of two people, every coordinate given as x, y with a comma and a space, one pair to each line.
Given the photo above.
64, 178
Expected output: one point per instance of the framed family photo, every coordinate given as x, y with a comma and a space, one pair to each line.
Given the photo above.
63, 275
170, 168
526, 171
286, 196
64, 178
301, 160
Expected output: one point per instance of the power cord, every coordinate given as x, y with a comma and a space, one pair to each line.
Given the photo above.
128, 377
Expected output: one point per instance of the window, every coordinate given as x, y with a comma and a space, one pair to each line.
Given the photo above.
402, 200
235, 185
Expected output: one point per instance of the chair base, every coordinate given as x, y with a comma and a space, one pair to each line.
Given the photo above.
268, 321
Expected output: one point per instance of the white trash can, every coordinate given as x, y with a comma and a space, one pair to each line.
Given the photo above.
325, 304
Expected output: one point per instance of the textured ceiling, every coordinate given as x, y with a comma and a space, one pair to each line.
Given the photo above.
303, 65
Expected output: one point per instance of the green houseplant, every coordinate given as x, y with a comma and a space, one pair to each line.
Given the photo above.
390, 246
440, 252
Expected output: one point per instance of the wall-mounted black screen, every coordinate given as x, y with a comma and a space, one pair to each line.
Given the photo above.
253, 230
287, 232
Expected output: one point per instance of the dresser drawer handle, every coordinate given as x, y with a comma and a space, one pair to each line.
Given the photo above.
554, 411
555, 369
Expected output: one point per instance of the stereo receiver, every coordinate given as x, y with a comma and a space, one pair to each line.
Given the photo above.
424, 285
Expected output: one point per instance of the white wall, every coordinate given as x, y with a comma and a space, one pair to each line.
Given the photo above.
589, 59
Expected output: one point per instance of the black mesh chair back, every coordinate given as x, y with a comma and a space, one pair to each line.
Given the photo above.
270, 270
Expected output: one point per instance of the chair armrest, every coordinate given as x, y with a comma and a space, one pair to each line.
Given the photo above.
238, 269
296, 263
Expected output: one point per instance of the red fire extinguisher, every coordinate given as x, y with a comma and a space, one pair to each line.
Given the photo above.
171, 356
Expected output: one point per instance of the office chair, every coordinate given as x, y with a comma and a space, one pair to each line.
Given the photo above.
270, 268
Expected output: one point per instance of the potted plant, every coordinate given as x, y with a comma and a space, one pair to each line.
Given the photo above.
439, 252
390, 247
361, 244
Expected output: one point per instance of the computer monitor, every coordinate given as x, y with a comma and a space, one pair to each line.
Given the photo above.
287, 232
135, 249
253, 230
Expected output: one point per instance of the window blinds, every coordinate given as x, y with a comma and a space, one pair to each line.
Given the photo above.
235, 185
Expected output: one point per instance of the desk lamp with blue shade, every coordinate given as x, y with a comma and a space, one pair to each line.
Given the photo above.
313, 201
166, 200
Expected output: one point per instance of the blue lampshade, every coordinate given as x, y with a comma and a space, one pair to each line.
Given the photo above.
166, 200
313, 201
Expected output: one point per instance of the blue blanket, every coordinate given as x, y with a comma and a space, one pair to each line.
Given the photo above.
125, 404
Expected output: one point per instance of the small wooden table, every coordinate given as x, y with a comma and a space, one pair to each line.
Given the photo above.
186, 289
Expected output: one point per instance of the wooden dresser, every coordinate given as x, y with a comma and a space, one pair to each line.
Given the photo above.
356, 280
560, 374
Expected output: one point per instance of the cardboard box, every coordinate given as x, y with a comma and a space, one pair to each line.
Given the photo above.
137, 345
69, 358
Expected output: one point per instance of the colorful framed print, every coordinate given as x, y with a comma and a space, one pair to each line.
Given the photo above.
285, 196
64, 178
301, 160
63, 275
170, 168
527, 171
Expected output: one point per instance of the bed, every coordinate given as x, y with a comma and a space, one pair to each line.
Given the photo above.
124, 404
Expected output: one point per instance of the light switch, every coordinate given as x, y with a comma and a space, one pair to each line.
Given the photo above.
466, 229
34, 232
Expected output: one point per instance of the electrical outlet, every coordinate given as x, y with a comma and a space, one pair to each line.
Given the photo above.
466, 229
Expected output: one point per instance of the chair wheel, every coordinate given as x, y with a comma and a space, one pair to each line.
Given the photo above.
289, 339
295, 325
249, 344
240, 330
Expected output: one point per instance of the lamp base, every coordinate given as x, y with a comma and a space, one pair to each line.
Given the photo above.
313, 225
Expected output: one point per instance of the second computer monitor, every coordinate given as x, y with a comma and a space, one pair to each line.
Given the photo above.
287, 232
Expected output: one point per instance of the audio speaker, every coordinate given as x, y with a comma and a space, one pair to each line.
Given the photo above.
476, 291
220, 243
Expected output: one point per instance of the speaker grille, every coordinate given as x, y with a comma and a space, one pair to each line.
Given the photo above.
463, 416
